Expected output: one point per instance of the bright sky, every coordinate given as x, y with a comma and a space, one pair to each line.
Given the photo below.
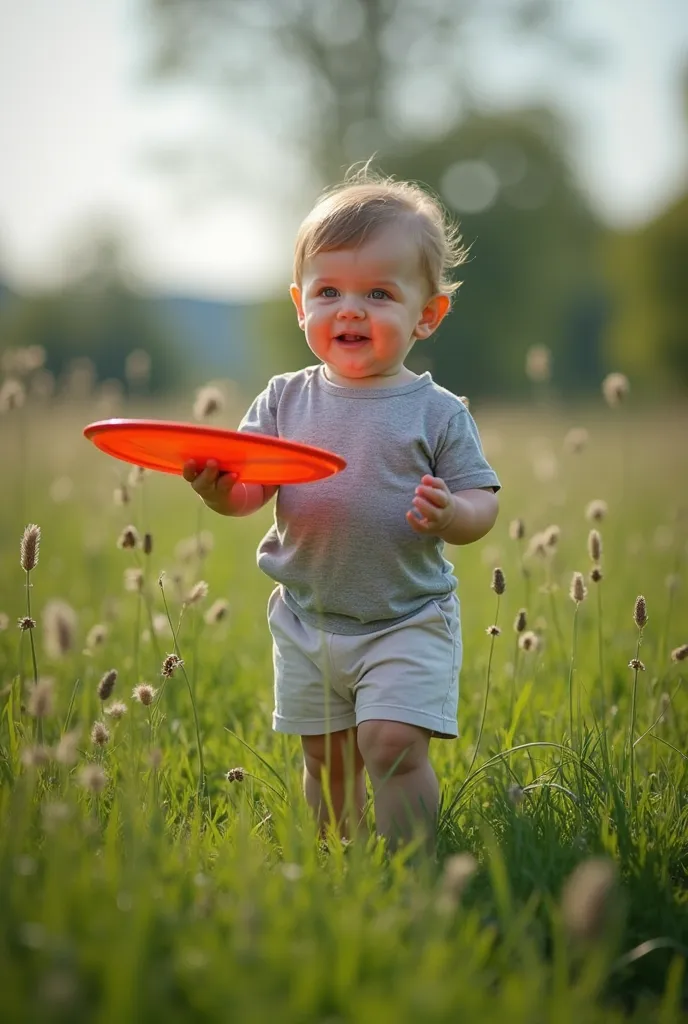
77, 123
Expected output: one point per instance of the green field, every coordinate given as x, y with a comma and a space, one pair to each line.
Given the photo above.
130, 892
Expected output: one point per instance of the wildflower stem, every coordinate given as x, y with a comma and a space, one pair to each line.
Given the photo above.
631, 744
202, 787
571, 670
487, 690
600, 651
514, 680
28, 612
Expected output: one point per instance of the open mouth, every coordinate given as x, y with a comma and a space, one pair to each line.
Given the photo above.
351, 339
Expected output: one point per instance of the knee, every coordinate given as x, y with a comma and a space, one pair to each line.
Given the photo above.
340, 755
392, 748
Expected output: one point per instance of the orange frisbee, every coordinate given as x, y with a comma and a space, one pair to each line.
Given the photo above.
255, 458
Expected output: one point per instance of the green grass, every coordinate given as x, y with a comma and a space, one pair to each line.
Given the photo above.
161, 900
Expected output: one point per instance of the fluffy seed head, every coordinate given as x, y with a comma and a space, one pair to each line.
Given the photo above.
596, 510
209, 400
529, 641
493, 631
521, 621
596, 574
100, 734
148, 543
133, 580
116, 711
217, 611
576, 440
640, 612
144, 693
515, 794
551, 536
595, 545
589, 899
36, 757
59, 628
12, 395
537, 545
93, 778
107, 684
236, 775
67, 750
170, 664
40, 702
128, 538
97, 636
137, 475
680, 653
498, 582
29, 547
615, 387
578, 590
26, 622
636, 663
198, 592
120, 495
517, 529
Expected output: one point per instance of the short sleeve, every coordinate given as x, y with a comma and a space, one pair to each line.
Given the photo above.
460, 461
261, 417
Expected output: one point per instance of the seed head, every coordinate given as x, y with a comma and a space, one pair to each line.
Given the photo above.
198, 592
537, 545
589, 899
596, 510
498, 582
40, 702
133, 580
100, 734
615, 388
93, 778
148, 543
120, 495
217, 611
59, 627
36, 757
515, 794
29, 547
636, 663
144, 693
128, 538
209, 400
551, 537
538, 364
236, 775
107, 684
137, 475
66, 751
116, 711
596, 574
96, 636
680, 653
493, 631
640, 612
521, 621
517, 529
578, 590
529, 641
594, 545
576, 440
12, 395
170, 664
26, 622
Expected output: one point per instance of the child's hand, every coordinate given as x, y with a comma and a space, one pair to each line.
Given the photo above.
433, 506
214, 487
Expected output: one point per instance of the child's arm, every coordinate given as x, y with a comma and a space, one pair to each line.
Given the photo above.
459, 518
222, 493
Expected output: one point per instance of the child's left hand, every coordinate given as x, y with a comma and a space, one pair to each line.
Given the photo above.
433, 506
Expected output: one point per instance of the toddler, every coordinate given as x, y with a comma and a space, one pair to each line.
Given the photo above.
364, 616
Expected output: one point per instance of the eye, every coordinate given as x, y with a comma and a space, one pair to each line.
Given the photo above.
328, 292
379, 293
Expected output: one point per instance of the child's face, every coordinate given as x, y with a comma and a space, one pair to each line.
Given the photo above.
363, 309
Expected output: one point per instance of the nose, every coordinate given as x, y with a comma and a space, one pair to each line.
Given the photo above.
350, 307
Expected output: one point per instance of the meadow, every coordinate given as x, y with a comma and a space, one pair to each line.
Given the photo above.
157, 860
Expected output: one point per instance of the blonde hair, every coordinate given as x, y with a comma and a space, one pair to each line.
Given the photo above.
348, 213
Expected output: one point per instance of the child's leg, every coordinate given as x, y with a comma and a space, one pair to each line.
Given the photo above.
404, 783
339, 753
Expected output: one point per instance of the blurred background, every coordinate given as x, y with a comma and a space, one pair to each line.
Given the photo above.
158, 155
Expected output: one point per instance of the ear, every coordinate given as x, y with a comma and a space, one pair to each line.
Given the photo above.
297, 299
432, 316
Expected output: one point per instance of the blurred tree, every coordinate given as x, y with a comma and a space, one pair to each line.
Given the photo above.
648, 331
97, 314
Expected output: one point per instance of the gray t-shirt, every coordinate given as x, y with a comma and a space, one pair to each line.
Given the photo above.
341, 547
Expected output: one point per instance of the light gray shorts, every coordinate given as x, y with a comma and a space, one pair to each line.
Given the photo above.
407, 673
